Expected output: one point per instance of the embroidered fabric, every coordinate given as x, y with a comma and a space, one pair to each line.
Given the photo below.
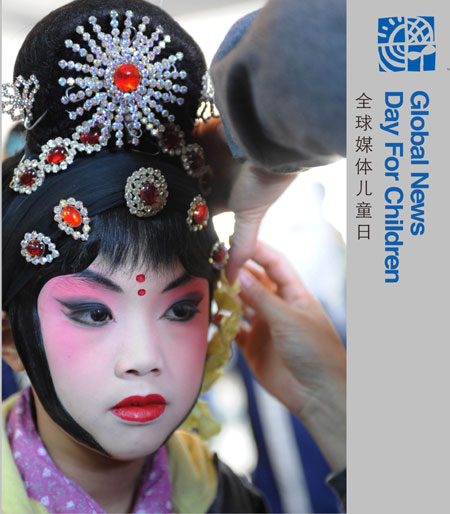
46, 483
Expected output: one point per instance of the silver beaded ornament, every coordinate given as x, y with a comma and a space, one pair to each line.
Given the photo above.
18, 99
124, 83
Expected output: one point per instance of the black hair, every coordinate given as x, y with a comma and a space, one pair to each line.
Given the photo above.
98, 181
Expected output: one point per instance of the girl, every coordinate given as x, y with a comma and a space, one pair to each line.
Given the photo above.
109, 270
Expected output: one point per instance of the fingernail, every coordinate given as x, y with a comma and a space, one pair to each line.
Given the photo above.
246, 278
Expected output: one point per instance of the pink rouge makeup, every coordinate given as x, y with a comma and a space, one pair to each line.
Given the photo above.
140, 408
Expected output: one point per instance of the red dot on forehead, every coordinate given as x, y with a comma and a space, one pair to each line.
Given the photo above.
140, 278
141, 292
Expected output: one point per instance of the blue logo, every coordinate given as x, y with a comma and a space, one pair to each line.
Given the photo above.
406, 44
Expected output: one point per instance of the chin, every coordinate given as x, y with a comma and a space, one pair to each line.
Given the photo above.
134, 449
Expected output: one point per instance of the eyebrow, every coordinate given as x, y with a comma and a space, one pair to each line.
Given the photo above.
178, 282
97, 278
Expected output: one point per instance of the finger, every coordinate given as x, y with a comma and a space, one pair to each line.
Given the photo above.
266, 304
242, 336
250, 315
261, 275
280, 271
243, 242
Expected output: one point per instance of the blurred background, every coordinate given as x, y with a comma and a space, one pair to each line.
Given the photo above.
259, 438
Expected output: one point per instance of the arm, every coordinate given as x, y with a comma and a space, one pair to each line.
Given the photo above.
279, 80
294, 351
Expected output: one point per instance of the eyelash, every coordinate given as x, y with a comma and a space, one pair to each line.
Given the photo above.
80, 314
83, 314
190, 308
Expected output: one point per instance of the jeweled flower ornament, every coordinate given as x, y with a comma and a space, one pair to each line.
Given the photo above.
124, 82
28, 176
146, 192
72, 218
219, 255
198, 214
34, 245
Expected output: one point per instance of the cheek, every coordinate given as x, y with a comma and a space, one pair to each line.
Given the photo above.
72, 354
186, 352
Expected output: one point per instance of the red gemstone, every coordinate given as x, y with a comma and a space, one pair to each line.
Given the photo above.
91, 138
149, 194
71, 216
35, 248
196, 160
56, 155
140, 278
200, 213
141, 292
127, 77
28, 176
220, 255
172, 139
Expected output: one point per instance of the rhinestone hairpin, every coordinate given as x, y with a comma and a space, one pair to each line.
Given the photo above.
18, 98
124, 81
34, 245
28, 176
146, 192
192, 156
57, 154
219, 255
207, 108
198, 214
71, 215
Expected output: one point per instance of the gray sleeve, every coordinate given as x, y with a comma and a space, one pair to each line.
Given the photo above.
280, 84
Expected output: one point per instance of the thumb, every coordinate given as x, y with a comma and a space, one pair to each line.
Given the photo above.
266, 303
243, 241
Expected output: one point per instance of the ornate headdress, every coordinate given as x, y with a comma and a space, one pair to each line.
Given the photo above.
121, 84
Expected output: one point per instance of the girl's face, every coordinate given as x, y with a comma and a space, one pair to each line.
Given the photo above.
126, 351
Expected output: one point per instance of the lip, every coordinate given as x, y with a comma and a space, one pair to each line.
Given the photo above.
140, 408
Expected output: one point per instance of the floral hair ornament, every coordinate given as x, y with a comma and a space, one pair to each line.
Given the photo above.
198, 214
34, 245
228, 315
71, 214
18, 99
146, 192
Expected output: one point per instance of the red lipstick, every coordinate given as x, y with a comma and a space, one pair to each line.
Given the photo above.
140, 408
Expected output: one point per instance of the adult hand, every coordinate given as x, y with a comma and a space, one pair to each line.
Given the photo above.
246, 190
294, 351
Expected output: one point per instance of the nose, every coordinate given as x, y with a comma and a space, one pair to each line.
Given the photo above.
139, 353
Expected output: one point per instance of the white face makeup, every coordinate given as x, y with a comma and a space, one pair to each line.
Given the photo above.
126, 351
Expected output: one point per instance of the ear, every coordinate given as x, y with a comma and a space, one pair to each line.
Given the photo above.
9, 352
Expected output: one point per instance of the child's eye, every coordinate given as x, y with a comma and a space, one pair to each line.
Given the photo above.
89, 315
182, 311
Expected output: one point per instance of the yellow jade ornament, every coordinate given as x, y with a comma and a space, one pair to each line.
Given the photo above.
218, 354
